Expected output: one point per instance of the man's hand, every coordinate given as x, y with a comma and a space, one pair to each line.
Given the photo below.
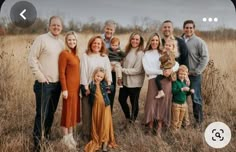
192, 91
44, 80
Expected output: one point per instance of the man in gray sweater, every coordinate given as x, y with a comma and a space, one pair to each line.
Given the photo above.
198, 58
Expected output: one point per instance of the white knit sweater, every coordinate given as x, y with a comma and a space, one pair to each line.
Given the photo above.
88, 63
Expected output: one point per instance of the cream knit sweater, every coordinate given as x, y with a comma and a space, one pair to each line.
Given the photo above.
43, 57
133, 73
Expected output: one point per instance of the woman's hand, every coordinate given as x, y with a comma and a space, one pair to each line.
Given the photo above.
65, 94
87, 92
112, 67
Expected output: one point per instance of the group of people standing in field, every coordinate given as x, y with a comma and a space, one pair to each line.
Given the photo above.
173, 66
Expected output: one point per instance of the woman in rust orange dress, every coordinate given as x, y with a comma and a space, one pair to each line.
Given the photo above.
102, 128
69, 73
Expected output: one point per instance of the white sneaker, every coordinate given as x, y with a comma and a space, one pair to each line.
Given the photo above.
160, 94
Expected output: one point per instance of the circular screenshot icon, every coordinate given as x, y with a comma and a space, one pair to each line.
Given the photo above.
217, 135
23, 14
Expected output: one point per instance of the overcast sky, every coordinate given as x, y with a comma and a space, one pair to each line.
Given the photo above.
124, 11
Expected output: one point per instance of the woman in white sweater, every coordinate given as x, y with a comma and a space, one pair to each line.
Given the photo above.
95, 56
156, 109
133, 76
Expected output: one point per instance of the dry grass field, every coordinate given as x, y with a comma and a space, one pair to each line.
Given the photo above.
17, 104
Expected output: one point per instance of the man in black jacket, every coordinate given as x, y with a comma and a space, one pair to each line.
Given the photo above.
167, 32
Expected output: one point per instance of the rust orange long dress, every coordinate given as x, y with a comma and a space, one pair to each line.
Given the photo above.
69, 74
102, 127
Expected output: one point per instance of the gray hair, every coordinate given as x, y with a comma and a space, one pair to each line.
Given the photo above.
110, 23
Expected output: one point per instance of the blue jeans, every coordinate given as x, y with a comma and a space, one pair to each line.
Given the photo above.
195, 83
47, 97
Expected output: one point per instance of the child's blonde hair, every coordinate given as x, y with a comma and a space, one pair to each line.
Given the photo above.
183, 68
99, 69
173, 42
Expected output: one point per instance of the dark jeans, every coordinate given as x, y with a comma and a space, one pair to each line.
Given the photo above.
86, 118
112, 94
197, 97
133, 93
47, 97
158, 81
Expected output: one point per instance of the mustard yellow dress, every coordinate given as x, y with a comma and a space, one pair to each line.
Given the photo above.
101, 126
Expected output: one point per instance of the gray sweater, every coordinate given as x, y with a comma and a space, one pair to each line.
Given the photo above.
133, 72
198, 54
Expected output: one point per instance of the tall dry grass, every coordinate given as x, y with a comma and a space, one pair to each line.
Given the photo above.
17, 103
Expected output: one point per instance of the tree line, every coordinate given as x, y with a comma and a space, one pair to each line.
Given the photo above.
143, 25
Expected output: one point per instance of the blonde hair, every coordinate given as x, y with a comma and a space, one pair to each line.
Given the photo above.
99, 69
183, 68
141, 44
103, 50
67, 48
174, 43
148, 45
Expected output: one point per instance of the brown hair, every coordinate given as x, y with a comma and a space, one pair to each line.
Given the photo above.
141, 44
103, 50
55, 17
189, 22
66, 45
148, 45
115, 40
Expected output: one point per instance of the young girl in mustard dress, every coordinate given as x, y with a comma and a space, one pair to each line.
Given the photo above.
102, 133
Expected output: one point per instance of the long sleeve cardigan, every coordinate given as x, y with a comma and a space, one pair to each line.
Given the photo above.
133, 72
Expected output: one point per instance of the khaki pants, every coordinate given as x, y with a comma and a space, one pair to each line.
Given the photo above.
117, 68
186, 121
178, 112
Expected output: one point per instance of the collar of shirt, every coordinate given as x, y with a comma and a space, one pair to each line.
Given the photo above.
55, 37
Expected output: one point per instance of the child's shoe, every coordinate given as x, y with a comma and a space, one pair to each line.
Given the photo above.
119, 82
160, 94
104, 147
